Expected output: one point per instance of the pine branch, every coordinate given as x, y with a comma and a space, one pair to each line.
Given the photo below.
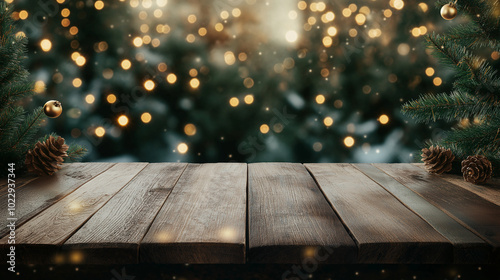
26, 132
75, 153
477, 138
449, 107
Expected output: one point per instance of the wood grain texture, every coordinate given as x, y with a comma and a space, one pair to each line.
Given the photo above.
113, 234
385, 230
38, 239
43, 192
19, 181
472, 211
290, 221
467, 247
203, 219
489, 191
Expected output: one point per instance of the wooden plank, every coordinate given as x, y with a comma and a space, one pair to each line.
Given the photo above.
489, 191
19, 181
38, 240
47, 190
472, 211
385, 230
289, 219
113, 234
203, 219
467, 247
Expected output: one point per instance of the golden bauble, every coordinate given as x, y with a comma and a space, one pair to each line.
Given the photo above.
449, 11
52, 108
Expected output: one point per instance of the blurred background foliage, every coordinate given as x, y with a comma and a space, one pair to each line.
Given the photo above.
236, 80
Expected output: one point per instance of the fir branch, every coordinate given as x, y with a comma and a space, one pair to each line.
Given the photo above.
75, 153
449, 107
25, 134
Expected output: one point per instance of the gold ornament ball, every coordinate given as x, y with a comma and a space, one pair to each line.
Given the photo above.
52, 108
449, 11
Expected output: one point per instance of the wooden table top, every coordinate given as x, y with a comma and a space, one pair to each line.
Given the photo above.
126, 213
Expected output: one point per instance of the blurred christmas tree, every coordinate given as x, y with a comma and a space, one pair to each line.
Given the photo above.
475, 99
223, 80
18, 130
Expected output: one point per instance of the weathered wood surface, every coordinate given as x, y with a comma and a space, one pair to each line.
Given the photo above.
290, 220
467, 247
113, 234
99, 213
203, 220
488, 191
385, 230
472, 211
37, 195
40, 236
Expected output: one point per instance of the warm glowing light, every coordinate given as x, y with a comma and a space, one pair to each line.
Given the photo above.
171, 78
190, 129
219, 27
190, 38
46, 45
332, 31
398, 4
126, 64
192, 18
89, 98
302, 5
229, 58
346, 12
182, 148
349, 141
202, 31
80, 61
76, 257
99, 5
328, 121
138, 42
39, 87
65, 12
387, 13
249, 99
194, 83
403, 49
291, 36
320, 99
360, 19
73, 30
327, 41
146, 117
224, 14
122, 120
228, 234
437, 81
111, 98
236, 12
23, 14
77, 82
423, 7
100, 131
234, 102
149, 85
383, 119
429, 71
264, 129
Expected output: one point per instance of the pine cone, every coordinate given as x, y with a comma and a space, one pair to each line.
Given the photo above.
46, 157
477, 169
437, 160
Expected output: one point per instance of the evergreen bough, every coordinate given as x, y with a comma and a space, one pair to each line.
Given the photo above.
476, 90
18, 129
